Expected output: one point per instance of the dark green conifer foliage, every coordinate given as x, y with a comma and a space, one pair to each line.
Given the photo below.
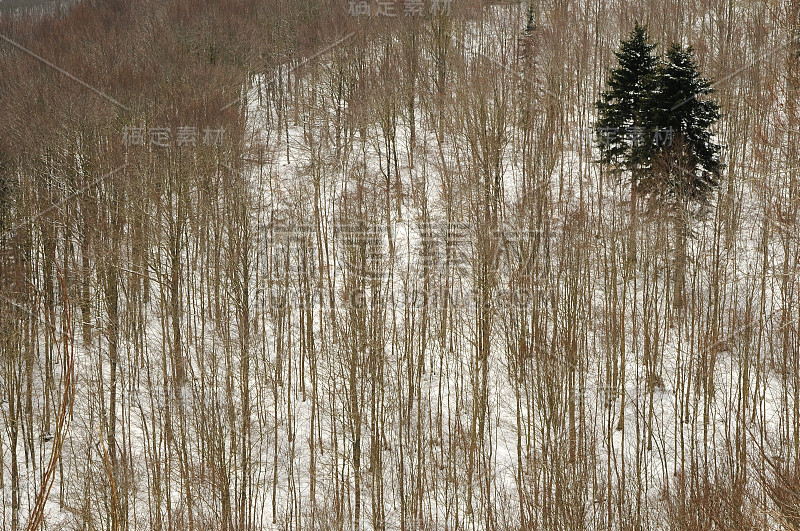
676, 106
648, 105
624, 122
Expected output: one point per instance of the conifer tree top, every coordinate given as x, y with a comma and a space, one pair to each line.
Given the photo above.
651, 100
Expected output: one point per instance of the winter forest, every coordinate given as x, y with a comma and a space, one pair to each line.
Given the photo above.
399, 265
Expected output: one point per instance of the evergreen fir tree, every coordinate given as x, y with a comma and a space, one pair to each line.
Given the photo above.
675, 106
625, 128
530, 24
649, 104
684, 170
